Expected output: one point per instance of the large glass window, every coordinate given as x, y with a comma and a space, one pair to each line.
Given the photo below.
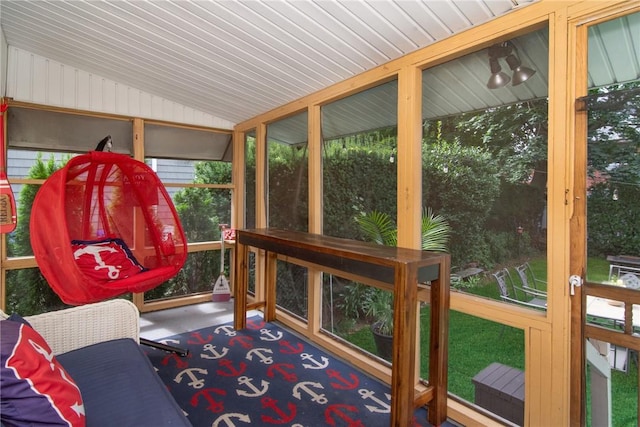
358, 159
287, 158
613, 226
196, 174
359, 175
484, 157
198, 180
27, 291
250, 179
288, 190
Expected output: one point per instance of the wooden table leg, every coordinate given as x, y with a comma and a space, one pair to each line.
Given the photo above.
271, 270
404, 347
241, 286
438, 348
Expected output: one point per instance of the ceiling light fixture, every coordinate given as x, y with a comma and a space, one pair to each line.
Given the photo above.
499, 78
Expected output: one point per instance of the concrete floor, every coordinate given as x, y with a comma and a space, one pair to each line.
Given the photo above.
165, 323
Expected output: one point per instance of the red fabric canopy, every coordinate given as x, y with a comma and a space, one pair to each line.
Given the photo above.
104, 225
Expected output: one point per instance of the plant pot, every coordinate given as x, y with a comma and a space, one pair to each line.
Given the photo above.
384, 343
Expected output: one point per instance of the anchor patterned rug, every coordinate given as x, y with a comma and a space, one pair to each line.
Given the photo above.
265, 375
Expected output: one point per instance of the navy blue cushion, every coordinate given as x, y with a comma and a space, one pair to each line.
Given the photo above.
15, 317
120, 387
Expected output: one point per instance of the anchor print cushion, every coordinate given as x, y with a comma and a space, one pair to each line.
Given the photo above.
36, 389
105, 260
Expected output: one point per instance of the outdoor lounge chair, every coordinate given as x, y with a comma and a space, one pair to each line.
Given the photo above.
508, 292
529, 280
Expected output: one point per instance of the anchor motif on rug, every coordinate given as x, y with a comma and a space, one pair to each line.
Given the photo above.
226, 330
255, 391
231, 371
261, 354
266, 335
305, 386
296, 383
214, 353
316, 364
270, 403
383, 406
208, 393
280, 369
227, 419
191, 373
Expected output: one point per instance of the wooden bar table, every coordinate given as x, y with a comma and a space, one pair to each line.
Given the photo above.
399, 270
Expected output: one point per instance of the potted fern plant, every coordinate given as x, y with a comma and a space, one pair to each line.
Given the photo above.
379, 228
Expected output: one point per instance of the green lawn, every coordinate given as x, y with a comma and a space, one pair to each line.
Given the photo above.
475, 343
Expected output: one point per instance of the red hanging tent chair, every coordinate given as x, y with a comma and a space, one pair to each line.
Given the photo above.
104, 225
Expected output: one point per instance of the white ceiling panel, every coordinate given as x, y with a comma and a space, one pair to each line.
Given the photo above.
614, 51
235, 59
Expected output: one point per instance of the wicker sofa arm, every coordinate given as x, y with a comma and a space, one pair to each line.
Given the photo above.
72, 328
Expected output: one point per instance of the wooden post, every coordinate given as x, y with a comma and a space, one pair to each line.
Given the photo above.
404, 345
240, 289
438, 344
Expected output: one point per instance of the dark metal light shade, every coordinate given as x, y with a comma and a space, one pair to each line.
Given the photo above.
498, 78
520, 73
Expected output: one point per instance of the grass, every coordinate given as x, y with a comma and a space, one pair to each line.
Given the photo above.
475, 343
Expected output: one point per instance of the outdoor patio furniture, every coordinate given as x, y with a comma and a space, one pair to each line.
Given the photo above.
97, 345
508, 292
529, 279
458, 276
607, 313
500, 389
623, 264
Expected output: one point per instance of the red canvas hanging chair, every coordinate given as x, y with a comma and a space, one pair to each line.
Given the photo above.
104, 225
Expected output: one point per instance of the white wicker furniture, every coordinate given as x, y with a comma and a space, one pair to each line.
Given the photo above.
77, 327
98, 346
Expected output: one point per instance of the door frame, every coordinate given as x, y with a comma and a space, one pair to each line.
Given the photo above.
577, 191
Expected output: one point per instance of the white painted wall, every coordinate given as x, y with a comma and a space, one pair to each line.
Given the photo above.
36, 79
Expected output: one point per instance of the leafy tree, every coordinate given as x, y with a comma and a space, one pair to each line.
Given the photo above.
516, 135
357, 180
201, 210
27, 291
461, 184
288, 187
216, 173
614, 170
